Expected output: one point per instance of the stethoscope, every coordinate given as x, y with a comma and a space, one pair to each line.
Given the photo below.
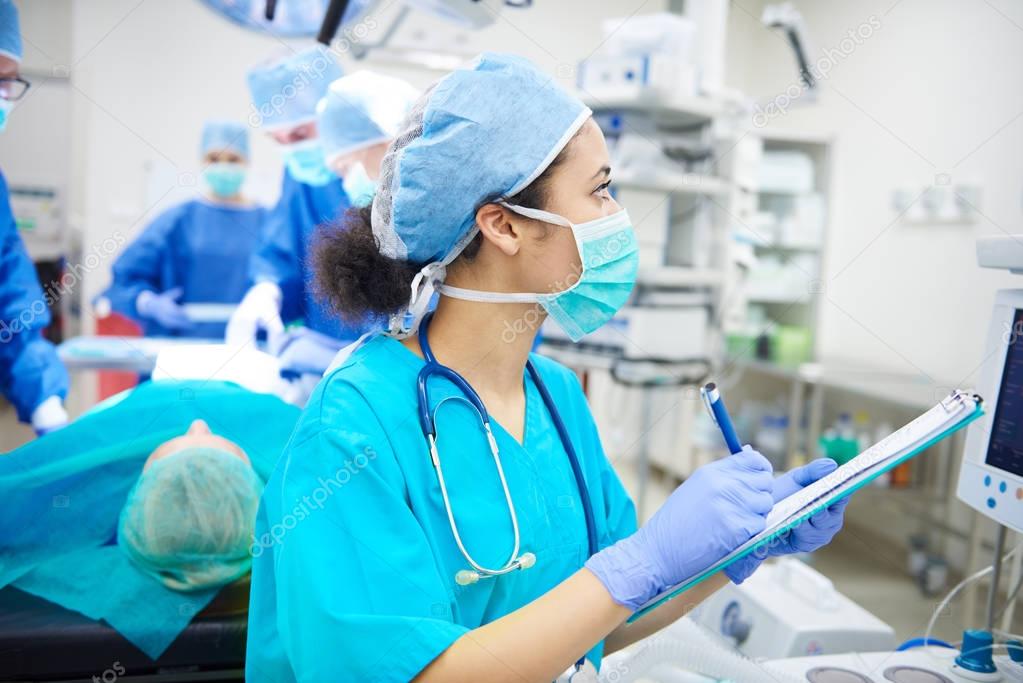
427, 421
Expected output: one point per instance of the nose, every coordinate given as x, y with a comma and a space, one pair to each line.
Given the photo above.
198, 427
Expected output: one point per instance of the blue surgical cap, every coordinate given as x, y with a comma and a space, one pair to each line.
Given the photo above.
190, 518
481, 132
362, 109
10, 31
285, 91
225, 136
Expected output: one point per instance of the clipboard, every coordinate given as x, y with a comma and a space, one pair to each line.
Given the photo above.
950, 415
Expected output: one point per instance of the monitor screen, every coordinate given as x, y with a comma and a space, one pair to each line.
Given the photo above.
1005, 450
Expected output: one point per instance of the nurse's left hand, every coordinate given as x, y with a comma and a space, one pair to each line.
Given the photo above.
812, 534
808, 536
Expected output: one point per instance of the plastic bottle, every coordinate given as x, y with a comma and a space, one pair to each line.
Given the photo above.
885, 480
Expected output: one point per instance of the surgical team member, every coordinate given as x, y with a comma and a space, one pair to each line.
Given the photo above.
32, 377
497, 191
194, 253
358, 118
284, 96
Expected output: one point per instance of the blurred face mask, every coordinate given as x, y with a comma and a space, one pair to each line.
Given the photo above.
359, 187
225, 178
610, 261
305, 162
5, 112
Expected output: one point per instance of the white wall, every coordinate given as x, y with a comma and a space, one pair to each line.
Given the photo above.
934, 89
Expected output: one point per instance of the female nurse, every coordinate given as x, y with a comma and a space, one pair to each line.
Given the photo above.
495, 194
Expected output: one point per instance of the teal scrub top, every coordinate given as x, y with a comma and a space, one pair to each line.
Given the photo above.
354, 559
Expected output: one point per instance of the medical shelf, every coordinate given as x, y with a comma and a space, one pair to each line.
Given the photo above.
680, 276
672, 182
677, 110
765, 297
907, 390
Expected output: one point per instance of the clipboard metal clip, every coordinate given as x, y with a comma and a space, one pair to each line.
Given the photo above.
957, 398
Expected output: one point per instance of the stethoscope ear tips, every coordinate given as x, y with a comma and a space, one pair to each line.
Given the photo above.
466, 577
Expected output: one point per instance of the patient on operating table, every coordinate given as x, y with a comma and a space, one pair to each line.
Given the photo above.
137, 512
189, 519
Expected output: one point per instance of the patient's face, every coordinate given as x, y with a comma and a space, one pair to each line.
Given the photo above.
197, 436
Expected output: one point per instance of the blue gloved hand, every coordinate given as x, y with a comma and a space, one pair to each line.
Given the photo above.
163, 308
721, 506
809, 535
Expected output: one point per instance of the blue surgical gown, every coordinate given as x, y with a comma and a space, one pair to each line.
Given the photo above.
282, 256
202, 247
353, 576
30, 371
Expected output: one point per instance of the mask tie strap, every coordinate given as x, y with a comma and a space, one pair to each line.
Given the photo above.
538, 214
424, 284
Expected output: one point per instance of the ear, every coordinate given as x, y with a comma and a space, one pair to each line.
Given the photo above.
499, 228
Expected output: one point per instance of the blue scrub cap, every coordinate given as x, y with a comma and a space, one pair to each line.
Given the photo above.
285, 90
10, 31
229, 136
190, 518
484, 131
362, 109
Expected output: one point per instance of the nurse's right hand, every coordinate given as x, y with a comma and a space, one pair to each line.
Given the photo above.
721, 506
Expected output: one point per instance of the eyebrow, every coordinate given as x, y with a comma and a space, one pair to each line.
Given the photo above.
603, 171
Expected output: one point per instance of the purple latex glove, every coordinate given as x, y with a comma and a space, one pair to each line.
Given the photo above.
163, 308
720, 507
809, 535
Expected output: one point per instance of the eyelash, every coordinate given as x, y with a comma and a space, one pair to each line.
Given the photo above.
603, 187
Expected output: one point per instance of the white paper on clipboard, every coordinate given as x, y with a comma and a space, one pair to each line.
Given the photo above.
951, 413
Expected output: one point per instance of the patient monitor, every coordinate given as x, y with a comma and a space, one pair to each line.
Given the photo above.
991, 478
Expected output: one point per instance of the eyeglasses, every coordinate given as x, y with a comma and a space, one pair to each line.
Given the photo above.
13, 89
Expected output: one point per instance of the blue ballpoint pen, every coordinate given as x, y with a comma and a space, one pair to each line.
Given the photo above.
716, 407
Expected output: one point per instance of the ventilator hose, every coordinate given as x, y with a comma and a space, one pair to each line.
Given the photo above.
688, 646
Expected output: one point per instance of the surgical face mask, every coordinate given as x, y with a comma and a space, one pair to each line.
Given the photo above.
359, 187
305, 162
610, 261
5, 112
224, 179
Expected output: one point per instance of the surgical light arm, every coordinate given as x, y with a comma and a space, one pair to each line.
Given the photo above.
787, 18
